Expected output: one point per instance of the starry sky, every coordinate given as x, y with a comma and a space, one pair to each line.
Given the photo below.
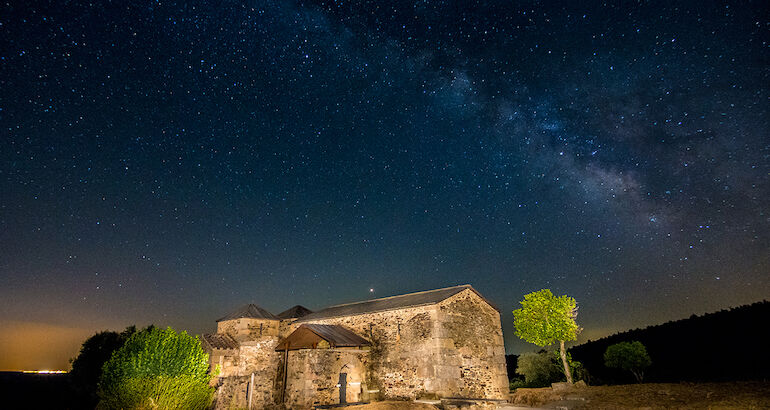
165, 162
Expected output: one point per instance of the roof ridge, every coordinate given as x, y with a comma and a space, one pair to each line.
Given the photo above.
242, 311
291, 312
396, 296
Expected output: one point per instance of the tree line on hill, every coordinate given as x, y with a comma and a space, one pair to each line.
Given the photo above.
728, 345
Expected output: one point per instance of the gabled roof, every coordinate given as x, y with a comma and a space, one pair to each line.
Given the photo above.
219, 341
251, 311
428, 297
294, 312
307, 337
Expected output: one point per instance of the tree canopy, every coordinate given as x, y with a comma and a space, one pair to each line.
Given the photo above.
157, 368
545, 319
630, 356
87, 366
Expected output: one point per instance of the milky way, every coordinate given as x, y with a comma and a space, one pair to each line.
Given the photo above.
166, 162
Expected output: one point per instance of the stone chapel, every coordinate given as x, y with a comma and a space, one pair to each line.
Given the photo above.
443, 343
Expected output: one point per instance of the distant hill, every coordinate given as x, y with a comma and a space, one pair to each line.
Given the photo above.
722, 346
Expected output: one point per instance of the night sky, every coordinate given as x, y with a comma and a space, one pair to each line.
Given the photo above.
166, 162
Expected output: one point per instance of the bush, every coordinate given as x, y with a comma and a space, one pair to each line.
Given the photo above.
516, 383
543, 368
157, 368
161, 392
539, 369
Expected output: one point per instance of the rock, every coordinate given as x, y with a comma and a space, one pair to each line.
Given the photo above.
562, 386
581, 384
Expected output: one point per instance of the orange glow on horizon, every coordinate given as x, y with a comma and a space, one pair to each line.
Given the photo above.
39, 346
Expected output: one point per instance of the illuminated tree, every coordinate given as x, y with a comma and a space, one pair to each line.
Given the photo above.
631, 356
157, 368
545, 319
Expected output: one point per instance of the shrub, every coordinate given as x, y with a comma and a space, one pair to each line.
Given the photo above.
516, 383
157, 368
539, 369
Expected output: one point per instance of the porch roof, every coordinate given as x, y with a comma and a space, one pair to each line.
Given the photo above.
307, 336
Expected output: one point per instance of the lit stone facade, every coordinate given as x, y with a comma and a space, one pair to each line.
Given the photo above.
435, 344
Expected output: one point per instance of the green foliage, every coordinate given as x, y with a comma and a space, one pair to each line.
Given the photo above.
539, 369
630, 356
87, 366
157, 368
517, 383
160, 392
543, 368
545, 319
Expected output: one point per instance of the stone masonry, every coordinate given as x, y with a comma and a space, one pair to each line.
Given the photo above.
435, 344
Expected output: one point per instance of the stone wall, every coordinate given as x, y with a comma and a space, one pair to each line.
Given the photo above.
402, 354
452, 349
248, 328
313, 375
471, 343
231, 393
286, 327
225, 361
253, 357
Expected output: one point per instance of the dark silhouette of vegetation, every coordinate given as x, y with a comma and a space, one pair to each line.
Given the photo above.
630, 356
540, 369
511, 361
157, 368
729, 345
87, 366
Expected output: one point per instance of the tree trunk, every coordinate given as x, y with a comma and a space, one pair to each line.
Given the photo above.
564, 361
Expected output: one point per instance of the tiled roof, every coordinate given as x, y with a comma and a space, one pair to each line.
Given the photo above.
308, 335
219, 341
249, 311
294, 312
429, 297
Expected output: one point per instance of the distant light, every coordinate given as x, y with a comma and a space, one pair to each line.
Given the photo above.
371, 290
44, 371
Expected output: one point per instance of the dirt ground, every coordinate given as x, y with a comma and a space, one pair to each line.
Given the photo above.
393, 405
648, 396
733, 395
